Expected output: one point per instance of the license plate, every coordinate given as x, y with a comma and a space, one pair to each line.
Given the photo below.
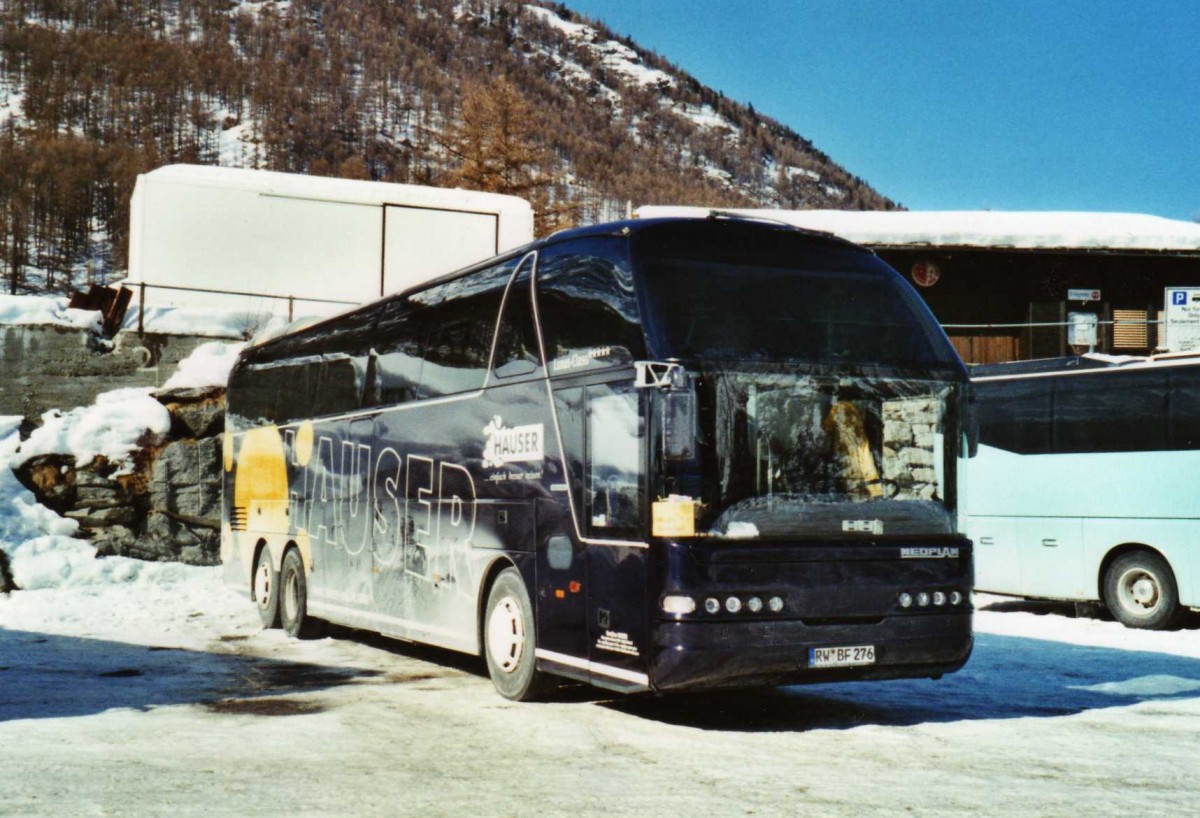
851, 656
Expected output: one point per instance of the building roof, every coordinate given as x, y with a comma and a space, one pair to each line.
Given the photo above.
1023, 230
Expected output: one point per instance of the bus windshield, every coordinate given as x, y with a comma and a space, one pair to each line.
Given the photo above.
813, 454
825, 389
717, 291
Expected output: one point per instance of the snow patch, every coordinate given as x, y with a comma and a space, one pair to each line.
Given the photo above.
116, 425
705, 116
208, 365
38, 310
616, 57
210, 322
1146, 686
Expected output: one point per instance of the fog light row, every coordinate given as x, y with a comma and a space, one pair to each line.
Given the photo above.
734, 604
713, 605
923, 599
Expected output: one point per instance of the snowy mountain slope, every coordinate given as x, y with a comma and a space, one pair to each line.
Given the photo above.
92, 94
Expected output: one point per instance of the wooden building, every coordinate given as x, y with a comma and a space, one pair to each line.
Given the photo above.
1008, 285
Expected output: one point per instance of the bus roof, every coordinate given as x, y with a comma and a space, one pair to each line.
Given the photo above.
627, 227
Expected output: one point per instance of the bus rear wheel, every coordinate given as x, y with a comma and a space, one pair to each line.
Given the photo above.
508, 641
1140, 591
293, 599
265, 589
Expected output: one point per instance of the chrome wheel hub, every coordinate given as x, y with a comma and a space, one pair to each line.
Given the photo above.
1139, 591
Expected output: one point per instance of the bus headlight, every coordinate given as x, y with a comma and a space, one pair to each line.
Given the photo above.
678, 604
733, 604
712, 605
955, 597
905, 600
939, 598
754, 604
922, 599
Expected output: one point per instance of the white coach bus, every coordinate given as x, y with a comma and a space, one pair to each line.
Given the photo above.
1086, 485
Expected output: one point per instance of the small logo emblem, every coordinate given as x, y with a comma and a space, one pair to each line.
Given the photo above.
928, 553
517, 444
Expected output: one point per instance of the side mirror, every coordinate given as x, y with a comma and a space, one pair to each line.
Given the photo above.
679, 424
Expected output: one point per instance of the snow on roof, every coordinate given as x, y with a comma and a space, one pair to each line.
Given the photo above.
273, 183
1050, 230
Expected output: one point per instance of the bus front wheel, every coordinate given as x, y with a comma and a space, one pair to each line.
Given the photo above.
266, 589
293, 599
508, 641
1139, 590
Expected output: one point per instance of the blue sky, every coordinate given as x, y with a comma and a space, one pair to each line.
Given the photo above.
1002, 105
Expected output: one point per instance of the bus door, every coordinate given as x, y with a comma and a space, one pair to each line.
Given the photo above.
591, 568
591, 336
614, 511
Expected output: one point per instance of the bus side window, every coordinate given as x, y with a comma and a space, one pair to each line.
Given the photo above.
1122, 412
516, 337
343, 352
1015, 415
587, 305
461, 315
614, 462
398, 349
1183, 412
568, 405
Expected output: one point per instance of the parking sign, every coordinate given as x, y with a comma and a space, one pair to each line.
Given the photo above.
1181, 319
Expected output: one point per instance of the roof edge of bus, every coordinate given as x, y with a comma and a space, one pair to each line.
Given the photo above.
1086, 362
623, 227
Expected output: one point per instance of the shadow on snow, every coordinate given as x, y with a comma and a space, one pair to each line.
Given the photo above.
1006, 678
47, 676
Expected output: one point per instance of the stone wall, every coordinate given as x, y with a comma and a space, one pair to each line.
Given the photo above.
167, 508
47, 367
910, 429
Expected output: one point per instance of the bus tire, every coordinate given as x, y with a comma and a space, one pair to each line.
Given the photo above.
509, 640
1140, 591
264, 588
293, 599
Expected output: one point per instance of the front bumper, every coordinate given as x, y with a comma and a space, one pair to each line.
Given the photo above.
747, 654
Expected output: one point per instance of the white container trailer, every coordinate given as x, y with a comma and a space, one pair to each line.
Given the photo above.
284, 243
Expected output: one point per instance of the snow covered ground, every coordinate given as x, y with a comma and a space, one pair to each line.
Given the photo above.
156, 692
150, 689
133, 688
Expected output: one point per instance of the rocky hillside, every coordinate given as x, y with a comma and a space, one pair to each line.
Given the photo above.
166, 507
516, 97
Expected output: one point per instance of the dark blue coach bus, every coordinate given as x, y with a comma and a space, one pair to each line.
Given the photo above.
651, 455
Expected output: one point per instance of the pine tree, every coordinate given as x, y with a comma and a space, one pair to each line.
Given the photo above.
495, 143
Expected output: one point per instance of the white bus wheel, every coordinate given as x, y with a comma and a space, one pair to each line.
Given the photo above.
265, 589
293, 599
1139, 590
509, 643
